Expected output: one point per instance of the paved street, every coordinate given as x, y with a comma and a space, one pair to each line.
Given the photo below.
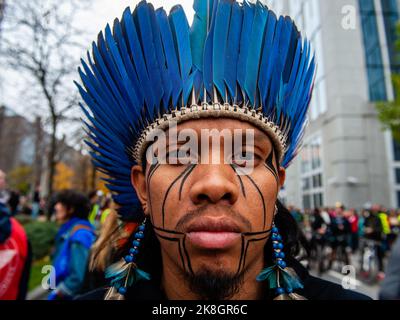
336, 277
371, 290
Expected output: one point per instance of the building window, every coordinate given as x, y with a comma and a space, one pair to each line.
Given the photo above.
396, 150
372, 50
318, 202
311, 174
398, 199
391, 17
397, 175
307, 202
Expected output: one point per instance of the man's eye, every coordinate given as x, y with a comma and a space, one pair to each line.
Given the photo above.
245, 159
181, 157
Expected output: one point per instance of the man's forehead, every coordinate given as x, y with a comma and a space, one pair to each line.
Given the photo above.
221, 125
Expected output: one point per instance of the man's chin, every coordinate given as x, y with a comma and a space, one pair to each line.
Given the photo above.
214, 283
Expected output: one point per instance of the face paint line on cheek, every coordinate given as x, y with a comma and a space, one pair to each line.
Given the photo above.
269, 164
179, 238
152, 169
246, 243
168, 191
192, 167
240, 180
262, 199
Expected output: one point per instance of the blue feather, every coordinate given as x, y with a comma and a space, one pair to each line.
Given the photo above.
105, 61
122, 274
198, 32
232, 50
291, 282
222, 21
143, 24
123, 79
170, 54
254, 52
181, 34
248, 17
108, 97
122, 45
270, 275
266, 60
137, 55
165, 75
208, 54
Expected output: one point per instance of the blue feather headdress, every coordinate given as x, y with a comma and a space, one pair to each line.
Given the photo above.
237, 60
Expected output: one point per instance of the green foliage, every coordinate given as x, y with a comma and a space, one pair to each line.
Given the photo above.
389, 112
19, 179
41, 235
36, 275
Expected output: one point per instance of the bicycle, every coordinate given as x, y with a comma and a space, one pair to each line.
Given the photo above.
369, 265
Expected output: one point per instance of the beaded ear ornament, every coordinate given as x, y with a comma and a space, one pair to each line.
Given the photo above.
281, 278
125, 273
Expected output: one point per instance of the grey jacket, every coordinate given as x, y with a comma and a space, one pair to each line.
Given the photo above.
390, 288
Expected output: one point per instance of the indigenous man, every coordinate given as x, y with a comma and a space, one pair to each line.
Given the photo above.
195, 127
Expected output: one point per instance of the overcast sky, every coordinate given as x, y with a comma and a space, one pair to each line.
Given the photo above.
12, 84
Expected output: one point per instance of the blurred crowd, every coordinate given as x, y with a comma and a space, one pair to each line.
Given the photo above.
87, 236
80, 219
336, 237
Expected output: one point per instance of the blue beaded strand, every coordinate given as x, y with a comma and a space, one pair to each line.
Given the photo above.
279, 255
134, 250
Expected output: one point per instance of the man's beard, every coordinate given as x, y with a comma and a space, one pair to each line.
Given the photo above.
211, 285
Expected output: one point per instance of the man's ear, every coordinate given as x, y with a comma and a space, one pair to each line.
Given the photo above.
138, 181
282, 176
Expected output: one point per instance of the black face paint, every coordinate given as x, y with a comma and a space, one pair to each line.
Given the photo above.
240, 180
184, 179
180, 239
246, 238
262, 198
187, 169
152, 169
269, 164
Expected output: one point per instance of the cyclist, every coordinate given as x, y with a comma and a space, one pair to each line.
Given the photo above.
373, 231
340, 230
318, 242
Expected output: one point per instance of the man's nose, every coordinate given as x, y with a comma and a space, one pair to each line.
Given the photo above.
215, 183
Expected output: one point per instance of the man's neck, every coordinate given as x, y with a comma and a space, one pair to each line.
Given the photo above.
176, 287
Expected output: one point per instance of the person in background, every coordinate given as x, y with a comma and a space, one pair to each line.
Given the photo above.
394, 224
36, 203
296, 214
106, 210
95, 198
73, 242
352, 217
373, 230
13, 202
15, 252
114, 234
340, 230
325, 215
390, 288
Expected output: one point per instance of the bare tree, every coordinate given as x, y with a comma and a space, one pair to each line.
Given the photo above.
2, 6
41, 42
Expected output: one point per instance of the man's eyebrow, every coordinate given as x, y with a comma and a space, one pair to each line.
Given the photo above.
260, 141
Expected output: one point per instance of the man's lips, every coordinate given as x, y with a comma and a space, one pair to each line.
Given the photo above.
213, 240
211, 233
